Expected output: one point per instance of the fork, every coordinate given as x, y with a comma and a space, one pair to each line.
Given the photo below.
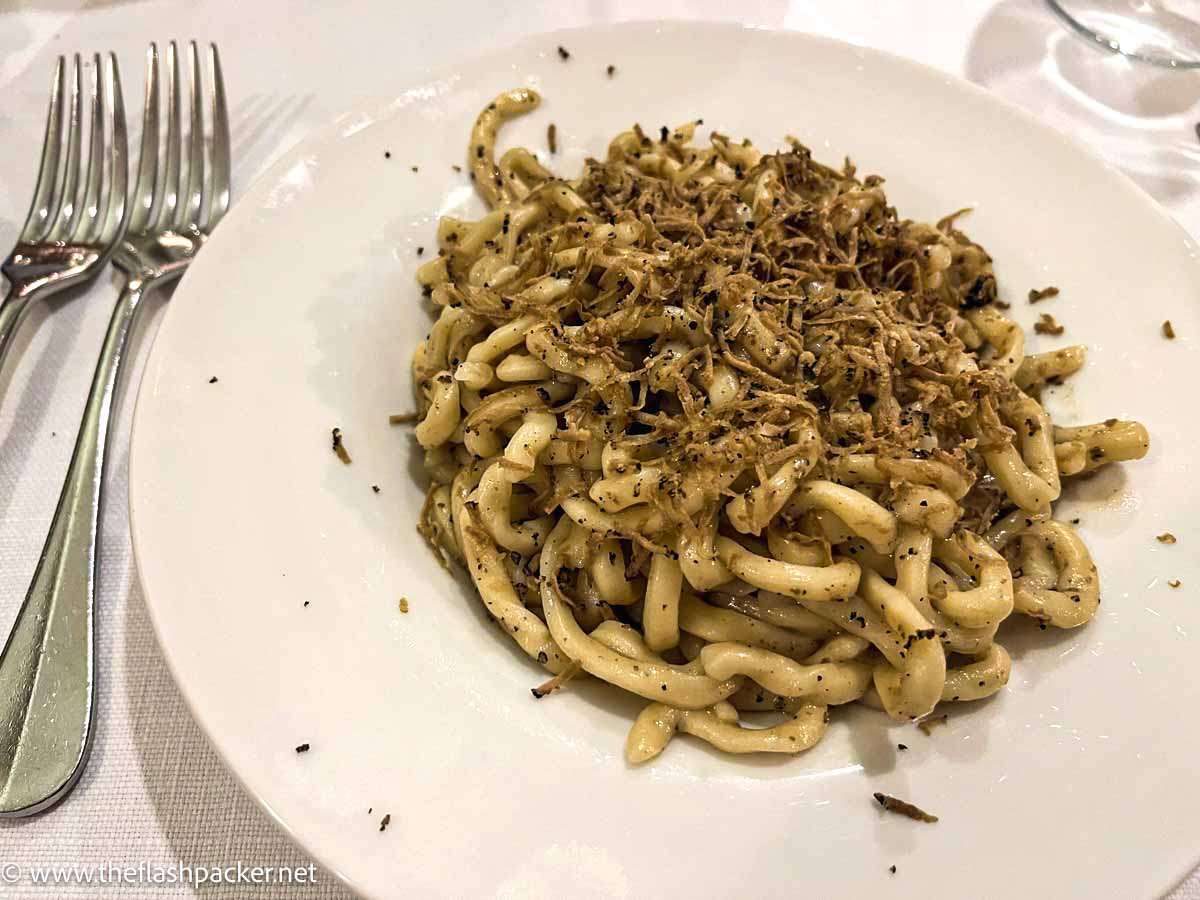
69, 234
47, 669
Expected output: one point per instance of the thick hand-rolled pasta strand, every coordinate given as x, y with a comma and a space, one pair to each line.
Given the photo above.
1004, 530
1023, 487
774, 609
832, 683
1070, 595
698, 558
860, 513
917, 578
479, 432
799, 549
1071, 457
698, 618
623, 491
493, 497
485, 564
990, 602
1038, 368
839, 648
436, 526
660, 613
1006, 337
1110, 441
522, 367
927, 507
626, 640
722, 387
482, 155
606, 568
1036, 439
673, 685
913, 688
807, 582
981, 678
503, 339
527, 444
442, 418
658, 723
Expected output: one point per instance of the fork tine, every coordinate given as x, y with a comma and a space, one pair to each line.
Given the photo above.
69, 185
118, 190
88, 198
145, 189
216, 198
189, 210
164, 213
39, 209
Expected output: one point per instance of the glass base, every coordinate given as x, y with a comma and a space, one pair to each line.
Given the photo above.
1162, 32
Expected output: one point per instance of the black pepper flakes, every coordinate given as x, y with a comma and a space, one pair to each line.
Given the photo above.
385, 822
563, 53
611, 70
303, 748
213, 380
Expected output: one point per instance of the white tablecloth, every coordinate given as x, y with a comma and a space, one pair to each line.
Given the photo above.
154, 791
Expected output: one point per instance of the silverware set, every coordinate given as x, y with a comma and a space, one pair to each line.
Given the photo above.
82, 216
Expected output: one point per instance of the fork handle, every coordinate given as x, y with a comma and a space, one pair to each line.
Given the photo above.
48, 666
13, 307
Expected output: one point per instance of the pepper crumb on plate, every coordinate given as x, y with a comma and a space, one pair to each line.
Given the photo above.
902, 746
339, 448
892, 869
385, 821
415, 169
1168, 330
420, 251
387, 154
611, 70
1047, 324
563, 54
303, 748
903, 807
213, 380
306, 602
375, 488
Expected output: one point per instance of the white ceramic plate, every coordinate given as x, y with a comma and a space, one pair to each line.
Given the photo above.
1079, 780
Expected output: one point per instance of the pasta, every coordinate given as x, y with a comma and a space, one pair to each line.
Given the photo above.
721, 429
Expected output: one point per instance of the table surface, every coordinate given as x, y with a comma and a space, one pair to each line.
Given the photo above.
154, 791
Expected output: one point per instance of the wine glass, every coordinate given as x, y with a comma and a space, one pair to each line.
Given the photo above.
1163, 32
